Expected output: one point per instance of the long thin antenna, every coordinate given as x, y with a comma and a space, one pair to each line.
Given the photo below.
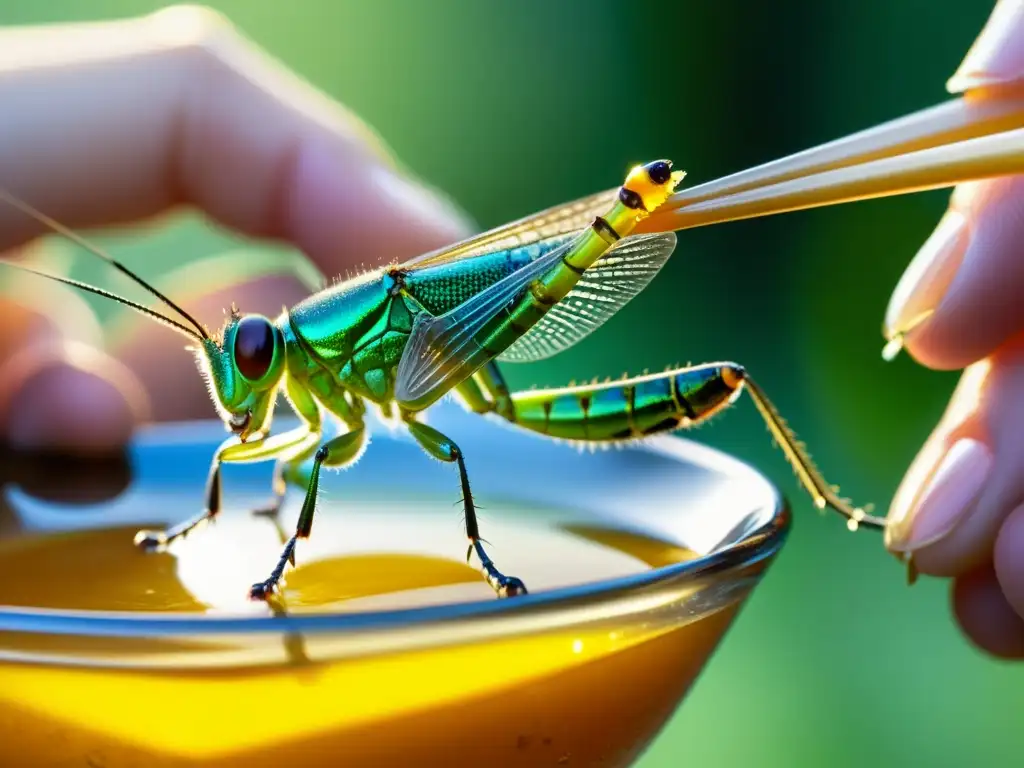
174, 324
56, 226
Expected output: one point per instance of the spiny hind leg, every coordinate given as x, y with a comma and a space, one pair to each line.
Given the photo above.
444, 449
230, 452
288, 444
289, 471
641, 406
337, 452
290, 467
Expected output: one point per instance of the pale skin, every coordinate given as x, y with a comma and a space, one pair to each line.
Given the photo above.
226, 131
230, 133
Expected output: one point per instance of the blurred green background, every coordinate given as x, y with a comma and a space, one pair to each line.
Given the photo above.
835, 661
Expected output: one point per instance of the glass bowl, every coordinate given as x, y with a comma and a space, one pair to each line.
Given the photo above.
386, 648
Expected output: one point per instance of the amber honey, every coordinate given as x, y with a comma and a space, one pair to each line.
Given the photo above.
586, 693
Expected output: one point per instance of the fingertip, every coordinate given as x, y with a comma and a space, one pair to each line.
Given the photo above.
67, 398
996, 58
933, 346
944, 481
985, 616
1008, 559
961, 292
346, 212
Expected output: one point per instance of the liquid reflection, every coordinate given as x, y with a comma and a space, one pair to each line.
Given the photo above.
363, 555
358, 559
377, 544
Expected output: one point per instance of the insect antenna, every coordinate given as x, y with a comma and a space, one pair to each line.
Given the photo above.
173, 324
807, 473
56, 226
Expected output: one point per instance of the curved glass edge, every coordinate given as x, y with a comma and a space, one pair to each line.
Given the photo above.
747, 548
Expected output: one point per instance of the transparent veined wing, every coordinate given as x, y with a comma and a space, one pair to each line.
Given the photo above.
614, 279
442, 351
551, 222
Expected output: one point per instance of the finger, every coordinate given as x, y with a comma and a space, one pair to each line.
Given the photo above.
1008, 559
63, 396
74, 398
967, 279
985, 616
997, 56
968, 476
957, 301
114, 122
57, 391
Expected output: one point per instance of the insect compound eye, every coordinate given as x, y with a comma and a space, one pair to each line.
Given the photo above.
660, 171
631, 199
254, 347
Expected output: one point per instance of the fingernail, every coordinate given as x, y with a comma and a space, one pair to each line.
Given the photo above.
923, 517
926, 280
997, 56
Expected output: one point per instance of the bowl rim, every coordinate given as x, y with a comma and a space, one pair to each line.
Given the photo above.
758, 544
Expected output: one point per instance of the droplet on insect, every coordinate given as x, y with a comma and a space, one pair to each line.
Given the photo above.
853, 525
892, 348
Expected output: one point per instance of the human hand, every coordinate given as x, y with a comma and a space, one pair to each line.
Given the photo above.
113, 123
960, 508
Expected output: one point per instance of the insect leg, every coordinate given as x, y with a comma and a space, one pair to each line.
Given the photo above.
493, 383
288, 446
289, 469
444, 449
289, 464
337, 452
230, 451
152, 540
637, 407
824, 494
473, 396
485, 392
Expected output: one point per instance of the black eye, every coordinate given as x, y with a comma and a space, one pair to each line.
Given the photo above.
660, 171
254, 347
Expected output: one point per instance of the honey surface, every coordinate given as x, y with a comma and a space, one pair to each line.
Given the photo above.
591, 695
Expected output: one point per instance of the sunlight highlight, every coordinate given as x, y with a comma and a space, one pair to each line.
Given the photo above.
973, 137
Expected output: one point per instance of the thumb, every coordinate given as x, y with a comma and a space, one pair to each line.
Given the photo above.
58, 392
63, 396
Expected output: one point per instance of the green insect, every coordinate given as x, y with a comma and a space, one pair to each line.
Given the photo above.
402, 336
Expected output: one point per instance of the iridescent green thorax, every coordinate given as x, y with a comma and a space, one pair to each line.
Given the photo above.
352, 336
